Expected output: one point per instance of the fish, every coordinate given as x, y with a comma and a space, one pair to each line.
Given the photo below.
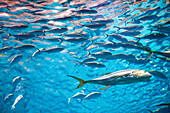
131, 28
15, 81
55, 39
23, 36
41, 21
164, 109
130, 33
164, 53
37, 32
53, 49
92, 95
86, 11
117, 37
5, 49
118, 78
57, 30
25, 47
101, 54
102, 21
76, 40
15, 59
65, 18
8, 97
147, 17
86, 60
77, 96
16, 101
95, 64
35, 53
95, 26
74, 35
152, 36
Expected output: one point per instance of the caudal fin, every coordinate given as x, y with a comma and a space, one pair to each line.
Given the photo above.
82, 82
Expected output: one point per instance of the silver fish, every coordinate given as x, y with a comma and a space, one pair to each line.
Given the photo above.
35, 53
15, 59
93, 95
8, 97
16, 101
25, 47
118, 78
53, 49
95, 64
77, 96
5, 49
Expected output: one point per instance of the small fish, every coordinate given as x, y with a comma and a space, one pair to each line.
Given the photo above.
5, 49
57, 30
53, 49
76, 40
77, 96
16, 27
15, 81
102, 21
95, 26
93, 95
131, 28
95, 64
147, 17
74, 35
86, 60
35, 53
16, 101
65, 18
101, 54
55, 39
130, 33
15, 59
8, 97
25, 47
41, 21
153, 36
37, 32
117, 37
24, 36
86, 11
118, 78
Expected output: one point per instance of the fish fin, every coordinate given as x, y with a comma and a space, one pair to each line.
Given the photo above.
87, 54
106, 35
106, 87
82, 82
158, 74
105, 73
69, 100
150, 54
150, 111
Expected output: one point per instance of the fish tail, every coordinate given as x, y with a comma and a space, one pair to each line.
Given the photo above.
69, 100
13, 107
82, 82
106, 35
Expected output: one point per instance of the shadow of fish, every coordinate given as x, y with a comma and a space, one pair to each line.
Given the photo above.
118, 78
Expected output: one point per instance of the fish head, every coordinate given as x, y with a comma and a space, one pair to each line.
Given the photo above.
141, 74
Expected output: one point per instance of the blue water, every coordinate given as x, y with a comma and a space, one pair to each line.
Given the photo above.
45, 85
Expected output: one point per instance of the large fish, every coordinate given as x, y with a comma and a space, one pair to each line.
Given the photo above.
118, 78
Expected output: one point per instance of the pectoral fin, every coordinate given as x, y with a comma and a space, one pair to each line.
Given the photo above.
106, 87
